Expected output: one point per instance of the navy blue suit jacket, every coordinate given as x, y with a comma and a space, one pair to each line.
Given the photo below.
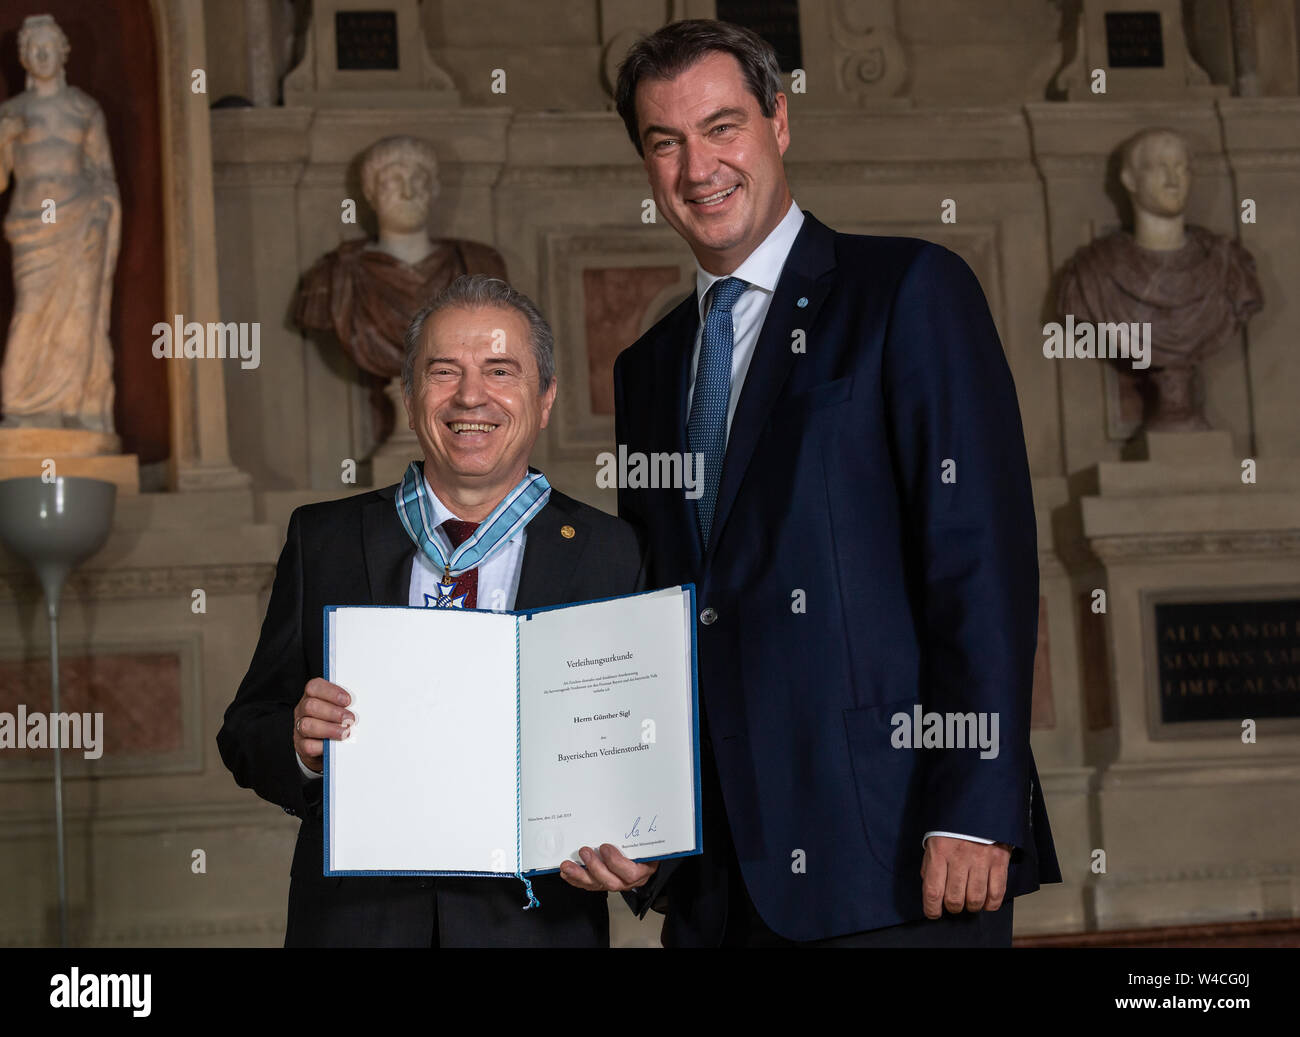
916, 589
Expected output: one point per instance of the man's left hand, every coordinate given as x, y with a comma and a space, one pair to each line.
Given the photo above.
961, 875
607, 870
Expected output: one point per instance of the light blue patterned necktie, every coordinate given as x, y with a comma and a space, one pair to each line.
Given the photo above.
706, 428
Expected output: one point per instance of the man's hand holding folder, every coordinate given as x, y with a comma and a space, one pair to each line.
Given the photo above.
607, 871
320, 714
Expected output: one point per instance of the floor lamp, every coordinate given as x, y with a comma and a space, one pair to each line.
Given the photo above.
53, 526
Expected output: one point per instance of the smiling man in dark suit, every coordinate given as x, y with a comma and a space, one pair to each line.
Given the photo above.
479, 380
864, 544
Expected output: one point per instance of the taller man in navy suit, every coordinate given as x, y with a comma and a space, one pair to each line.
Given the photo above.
864, 547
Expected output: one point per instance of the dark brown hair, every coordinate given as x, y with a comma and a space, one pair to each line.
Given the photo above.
677, 46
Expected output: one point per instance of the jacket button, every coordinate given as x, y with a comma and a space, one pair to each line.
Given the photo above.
708, 616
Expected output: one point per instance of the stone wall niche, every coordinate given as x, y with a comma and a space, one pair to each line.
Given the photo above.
1137, 49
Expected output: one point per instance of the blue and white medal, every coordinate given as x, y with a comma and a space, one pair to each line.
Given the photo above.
519, 507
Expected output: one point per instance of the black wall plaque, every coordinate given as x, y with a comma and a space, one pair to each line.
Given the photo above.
366, 39
1134, 39
777, 21
1228, 660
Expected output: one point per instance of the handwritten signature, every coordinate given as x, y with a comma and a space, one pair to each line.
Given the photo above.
636, 827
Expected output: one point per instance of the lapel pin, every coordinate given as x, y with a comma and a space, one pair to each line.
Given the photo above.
803, 301
568, 532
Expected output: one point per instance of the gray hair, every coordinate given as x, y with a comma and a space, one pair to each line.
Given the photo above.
473, 292
678, 45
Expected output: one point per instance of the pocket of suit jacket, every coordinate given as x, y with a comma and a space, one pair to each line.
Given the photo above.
801, 404
888, 784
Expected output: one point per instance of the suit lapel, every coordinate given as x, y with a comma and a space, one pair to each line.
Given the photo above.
546, 576
802, 278
683, 335
389, 552
550, 558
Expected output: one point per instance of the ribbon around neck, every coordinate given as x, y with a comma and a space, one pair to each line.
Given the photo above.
519, 507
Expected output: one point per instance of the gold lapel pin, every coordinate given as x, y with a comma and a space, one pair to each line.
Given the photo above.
568, 532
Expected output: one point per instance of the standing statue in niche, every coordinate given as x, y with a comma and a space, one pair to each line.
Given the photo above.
64, 226
366, 292
1196, 288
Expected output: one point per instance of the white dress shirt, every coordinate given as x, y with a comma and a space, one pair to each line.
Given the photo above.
762, 269
498, 577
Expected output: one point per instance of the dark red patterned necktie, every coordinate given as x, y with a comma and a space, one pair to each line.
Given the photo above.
467, 582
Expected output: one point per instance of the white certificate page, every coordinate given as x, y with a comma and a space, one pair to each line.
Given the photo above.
426, 780
608, 729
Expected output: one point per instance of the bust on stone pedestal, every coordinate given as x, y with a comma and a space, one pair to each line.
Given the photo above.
366, 292
1196, 288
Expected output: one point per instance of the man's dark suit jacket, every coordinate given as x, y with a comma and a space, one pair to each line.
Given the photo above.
916, 589
355, 552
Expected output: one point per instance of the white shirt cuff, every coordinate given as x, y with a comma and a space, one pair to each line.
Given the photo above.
307, 772
958, 835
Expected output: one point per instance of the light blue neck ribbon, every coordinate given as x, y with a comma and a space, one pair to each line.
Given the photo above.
520, 506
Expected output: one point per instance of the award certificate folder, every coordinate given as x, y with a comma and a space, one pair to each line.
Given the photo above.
499, 743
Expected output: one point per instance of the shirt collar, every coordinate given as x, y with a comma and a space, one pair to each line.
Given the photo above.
441, 513
762, 267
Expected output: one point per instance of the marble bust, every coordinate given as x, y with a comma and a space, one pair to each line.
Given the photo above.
64, 226
366, 292
1196, 288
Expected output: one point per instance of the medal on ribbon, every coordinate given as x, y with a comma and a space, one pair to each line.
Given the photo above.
519, 507
445, 598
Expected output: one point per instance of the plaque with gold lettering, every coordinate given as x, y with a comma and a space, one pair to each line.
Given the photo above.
1227, 660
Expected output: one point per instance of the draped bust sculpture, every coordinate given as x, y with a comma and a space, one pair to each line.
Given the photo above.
64, 227
1195, 288
366, 292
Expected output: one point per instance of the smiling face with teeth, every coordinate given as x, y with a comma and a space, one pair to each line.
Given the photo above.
475, 406
713, 160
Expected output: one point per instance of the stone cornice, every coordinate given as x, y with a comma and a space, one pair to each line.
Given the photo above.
1265, 160
1249, 870
849, 171
178, 932
1261, 542
256, 174
220, 578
